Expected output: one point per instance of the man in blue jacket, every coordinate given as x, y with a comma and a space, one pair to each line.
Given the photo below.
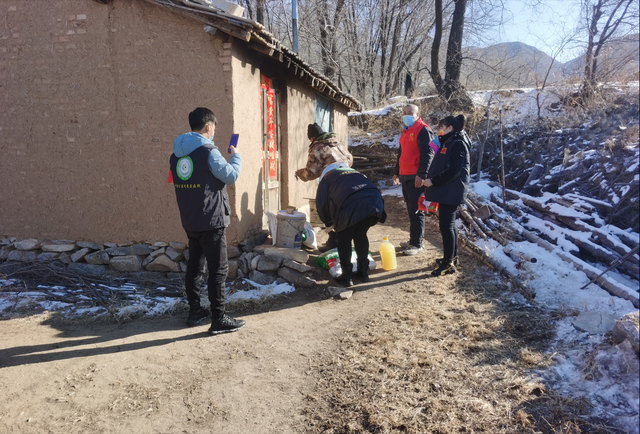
200, 176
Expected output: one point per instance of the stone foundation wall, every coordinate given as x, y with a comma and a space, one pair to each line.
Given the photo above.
251, 259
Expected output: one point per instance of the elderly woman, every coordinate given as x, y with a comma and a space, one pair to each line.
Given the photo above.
448, 184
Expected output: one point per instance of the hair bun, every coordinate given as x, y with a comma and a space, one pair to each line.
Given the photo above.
461, 121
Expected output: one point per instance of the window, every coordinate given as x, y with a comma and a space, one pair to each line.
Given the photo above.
324, 113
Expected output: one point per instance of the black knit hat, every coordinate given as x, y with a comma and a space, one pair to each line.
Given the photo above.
314, 130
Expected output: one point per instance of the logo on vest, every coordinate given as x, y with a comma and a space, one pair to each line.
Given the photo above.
185, 168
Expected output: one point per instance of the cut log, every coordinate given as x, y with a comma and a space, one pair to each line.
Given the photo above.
519, 256
466, 216
536, 173
488, 259
511, 208
612, 287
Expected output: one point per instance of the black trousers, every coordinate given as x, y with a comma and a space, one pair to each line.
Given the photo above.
212, 247
449, 231
416, 218
357, 233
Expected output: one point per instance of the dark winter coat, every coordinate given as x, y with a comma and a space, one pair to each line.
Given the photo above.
346, 197
450, 170
200, 175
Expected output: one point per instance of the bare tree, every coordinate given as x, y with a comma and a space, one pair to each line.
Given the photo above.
616, 14
450, 88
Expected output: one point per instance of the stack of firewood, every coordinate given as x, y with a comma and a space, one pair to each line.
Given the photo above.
568, 226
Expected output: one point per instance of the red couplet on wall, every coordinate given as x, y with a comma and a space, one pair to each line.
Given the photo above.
267, 85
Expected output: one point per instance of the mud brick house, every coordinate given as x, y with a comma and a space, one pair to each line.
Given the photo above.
93, 94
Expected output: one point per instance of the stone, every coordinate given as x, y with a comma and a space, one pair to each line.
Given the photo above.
163, 263
269, 262
79, 254
177, 246
5, 242
241, 274
233, 252
261, 278
64, 258
110, 245
184, 266
295, 254
58, 247
261, 249
595, 323
23, 256
626, 328
127, 264
345, 295
161, 244
88, 269
125, 244
119, 251
281, 281
186, 255
243, 265
247, 249
175, 255
156, 253
233, 269
296, 278
254, 262
302, 268
89, 245
141, 249
28, 244
61, 242
334, 290
97, 258
46, 257
4, 254
147, 260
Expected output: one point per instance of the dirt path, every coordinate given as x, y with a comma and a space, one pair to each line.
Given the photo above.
156, 376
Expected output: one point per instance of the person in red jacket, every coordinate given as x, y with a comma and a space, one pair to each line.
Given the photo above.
414, 158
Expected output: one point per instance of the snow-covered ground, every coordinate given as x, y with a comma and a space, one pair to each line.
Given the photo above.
614, 391
132, 301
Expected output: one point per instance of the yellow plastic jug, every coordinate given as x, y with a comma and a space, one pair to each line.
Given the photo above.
388, 255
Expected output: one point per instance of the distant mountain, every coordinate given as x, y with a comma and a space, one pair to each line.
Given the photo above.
516, 64
618, 59
509, 64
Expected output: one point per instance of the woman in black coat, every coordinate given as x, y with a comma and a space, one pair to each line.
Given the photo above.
351, 203
448, 184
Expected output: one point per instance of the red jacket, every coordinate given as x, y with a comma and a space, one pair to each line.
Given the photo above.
410, 155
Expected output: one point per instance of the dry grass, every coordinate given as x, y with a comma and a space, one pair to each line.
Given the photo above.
446, 356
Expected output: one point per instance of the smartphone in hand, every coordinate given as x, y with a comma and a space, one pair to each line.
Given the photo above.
234, 142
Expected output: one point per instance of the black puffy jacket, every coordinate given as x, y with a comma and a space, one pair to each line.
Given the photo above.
450, 170
346, 197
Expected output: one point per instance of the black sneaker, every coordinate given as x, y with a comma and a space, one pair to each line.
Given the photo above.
444, 268
226, 324
197, 315
440, 261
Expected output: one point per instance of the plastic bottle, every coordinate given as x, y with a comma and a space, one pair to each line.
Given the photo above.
388, 255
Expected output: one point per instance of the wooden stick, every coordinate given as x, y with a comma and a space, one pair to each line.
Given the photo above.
615, 264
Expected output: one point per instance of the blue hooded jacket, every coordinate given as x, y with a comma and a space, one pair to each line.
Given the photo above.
200, 176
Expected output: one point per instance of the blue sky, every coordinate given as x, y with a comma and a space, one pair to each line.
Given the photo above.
543, 26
